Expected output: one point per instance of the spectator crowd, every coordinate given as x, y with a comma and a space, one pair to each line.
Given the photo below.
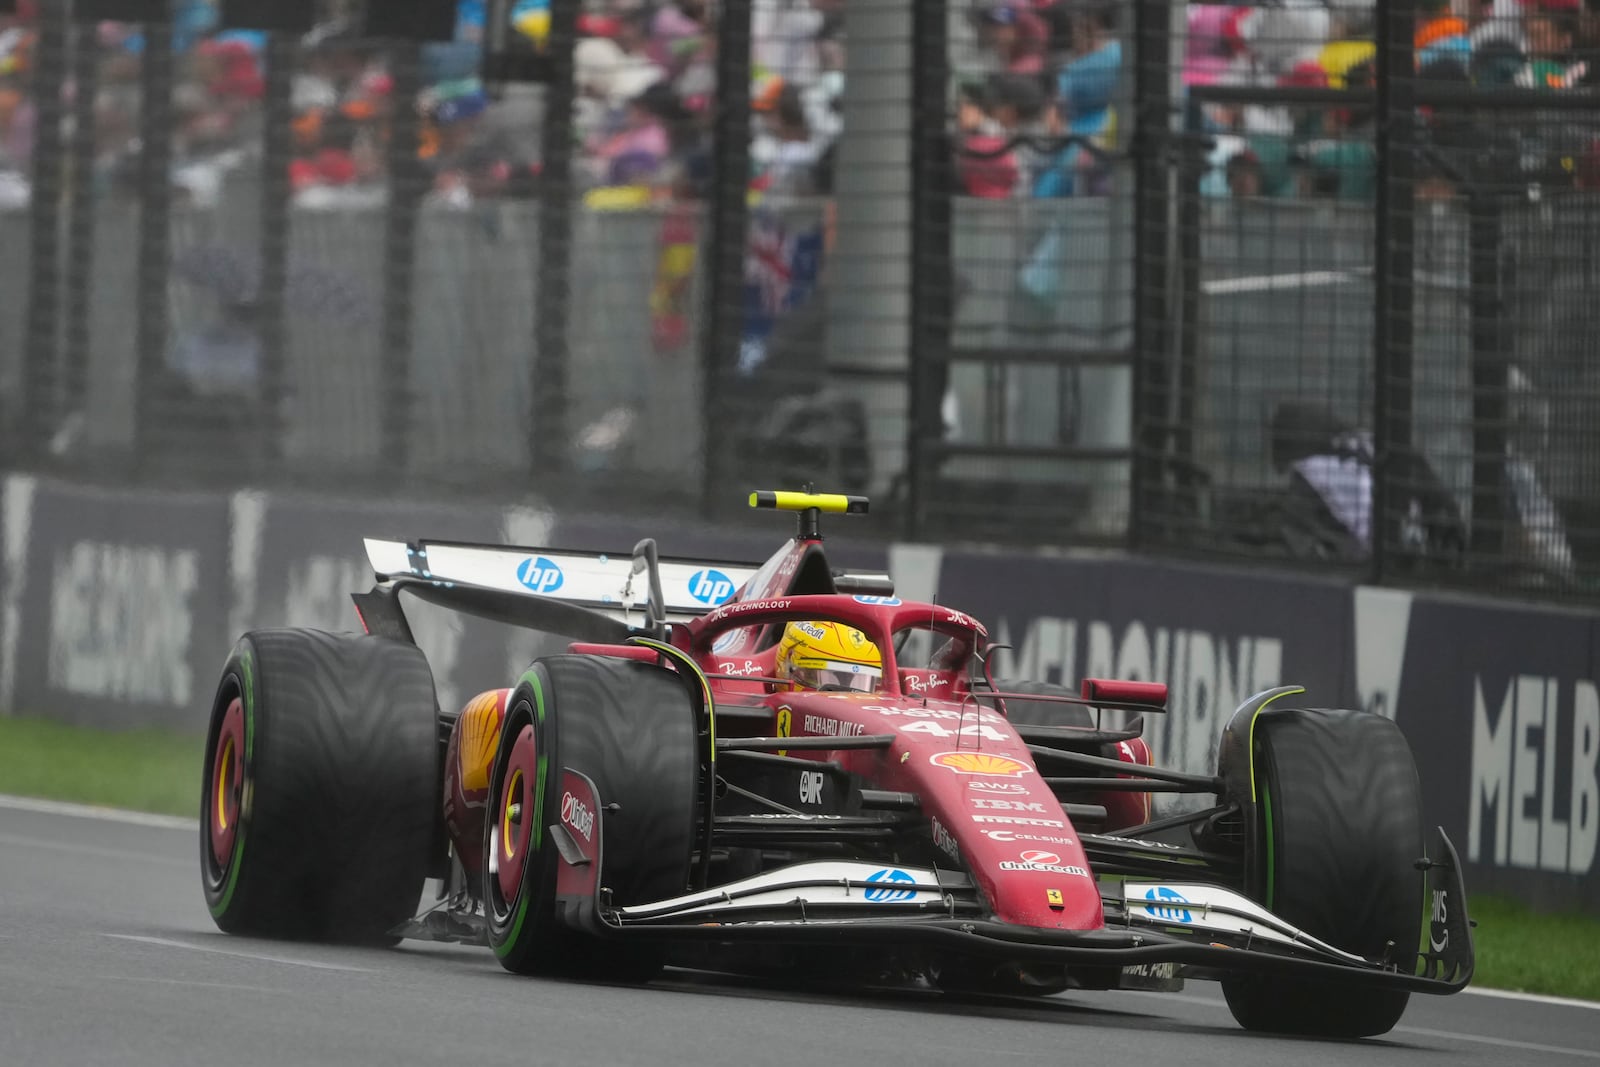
1037, 82
1034, 103
1278, 150
645, 83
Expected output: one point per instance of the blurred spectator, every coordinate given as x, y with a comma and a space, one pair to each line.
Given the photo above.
988, 169
612, 70
1088, 79
785, 152
1014, 37
636, 148
1245, 178
679, 34
1550, 28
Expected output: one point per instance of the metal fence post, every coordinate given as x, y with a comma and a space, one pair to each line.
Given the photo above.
38, 385
407, 187
72, 397
547, 441
155, 219
932, 270
1152, 310
1490, 366
728, 210
277, 151
1394, 264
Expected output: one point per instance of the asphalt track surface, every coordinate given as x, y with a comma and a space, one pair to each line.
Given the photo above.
107, 956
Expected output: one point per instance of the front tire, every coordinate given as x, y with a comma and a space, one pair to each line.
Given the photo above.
319, 806
631, 728
1340, 831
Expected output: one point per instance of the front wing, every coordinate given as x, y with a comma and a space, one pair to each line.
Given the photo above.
853, 903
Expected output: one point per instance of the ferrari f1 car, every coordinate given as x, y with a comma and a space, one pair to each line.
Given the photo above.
669, 791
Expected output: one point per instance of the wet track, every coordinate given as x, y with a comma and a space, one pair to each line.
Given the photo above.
107, 956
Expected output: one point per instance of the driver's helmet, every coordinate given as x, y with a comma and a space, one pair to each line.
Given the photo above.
828, 655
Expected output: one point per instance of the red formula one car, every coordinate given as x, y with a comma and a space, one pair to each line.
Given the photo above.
787, 767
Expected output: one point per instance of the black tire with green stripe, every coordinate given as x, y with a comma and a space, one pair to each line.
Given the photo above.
631, 728
334, 805
1341, 833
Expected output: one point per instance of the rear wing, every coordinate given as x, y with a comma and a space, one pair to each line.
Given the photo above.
604, 582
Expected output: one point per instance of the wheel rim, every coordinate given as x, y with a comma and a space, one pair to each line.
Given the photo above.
515, 815
225, 802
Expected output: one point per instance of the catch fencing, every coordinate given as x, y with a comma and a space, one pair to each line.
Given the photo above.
1302, 284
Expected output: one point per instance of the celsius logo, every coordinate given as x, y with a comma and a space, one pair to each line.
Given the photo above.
883, 892
540, 575
1167, 904
710, 587
879, 601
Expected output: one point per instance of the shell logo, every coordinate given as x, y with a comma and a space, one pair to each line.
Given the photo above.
479, 732
980, 763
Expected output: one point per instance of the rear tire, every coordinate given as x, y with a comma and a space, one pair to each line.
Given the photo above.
1341, 832
319, 807
630, 727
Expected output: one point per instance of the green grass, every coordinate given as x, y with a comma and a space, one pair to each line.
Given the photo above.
158, 771
1532, 953
142, 770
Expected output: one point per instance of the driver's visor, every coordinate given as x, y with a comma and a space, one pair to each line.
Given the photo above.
833, 675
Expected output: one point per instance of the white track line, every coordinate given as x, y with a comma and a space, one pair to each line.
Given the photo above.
121, 855
175, 822
169, 943
1475, 1039
90, 811
1500, 1042
1535, 998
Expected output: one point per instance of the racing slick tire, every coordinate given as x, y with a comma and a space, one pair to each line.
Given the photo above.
1341, 833
1044, 712
320, 803
631, 728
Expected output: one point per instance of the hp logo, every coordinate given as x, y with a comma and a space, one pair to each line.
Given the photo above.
540, 575
884, 879
710, 587
878, 601
1171, 906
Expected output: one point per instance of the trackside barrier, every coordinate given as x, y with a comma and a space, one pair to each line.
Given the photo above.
117, 607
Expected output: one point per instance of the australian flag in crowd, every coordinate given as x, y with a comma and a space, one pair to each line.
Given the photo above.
782, 262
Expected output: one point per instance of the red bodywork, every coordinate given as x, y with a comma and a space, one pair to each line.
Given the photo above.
990, 809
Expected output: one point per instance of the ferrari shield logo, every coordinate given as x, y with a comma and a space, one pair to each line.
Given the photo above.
1054, 897
785, 726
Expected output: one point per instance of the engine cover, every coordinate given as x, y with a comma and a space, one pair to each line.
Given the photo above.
467, 763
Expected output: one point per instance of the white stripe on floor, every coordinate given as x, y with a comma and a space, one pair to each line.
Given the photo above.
1536, 998
169, 943
90, 811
